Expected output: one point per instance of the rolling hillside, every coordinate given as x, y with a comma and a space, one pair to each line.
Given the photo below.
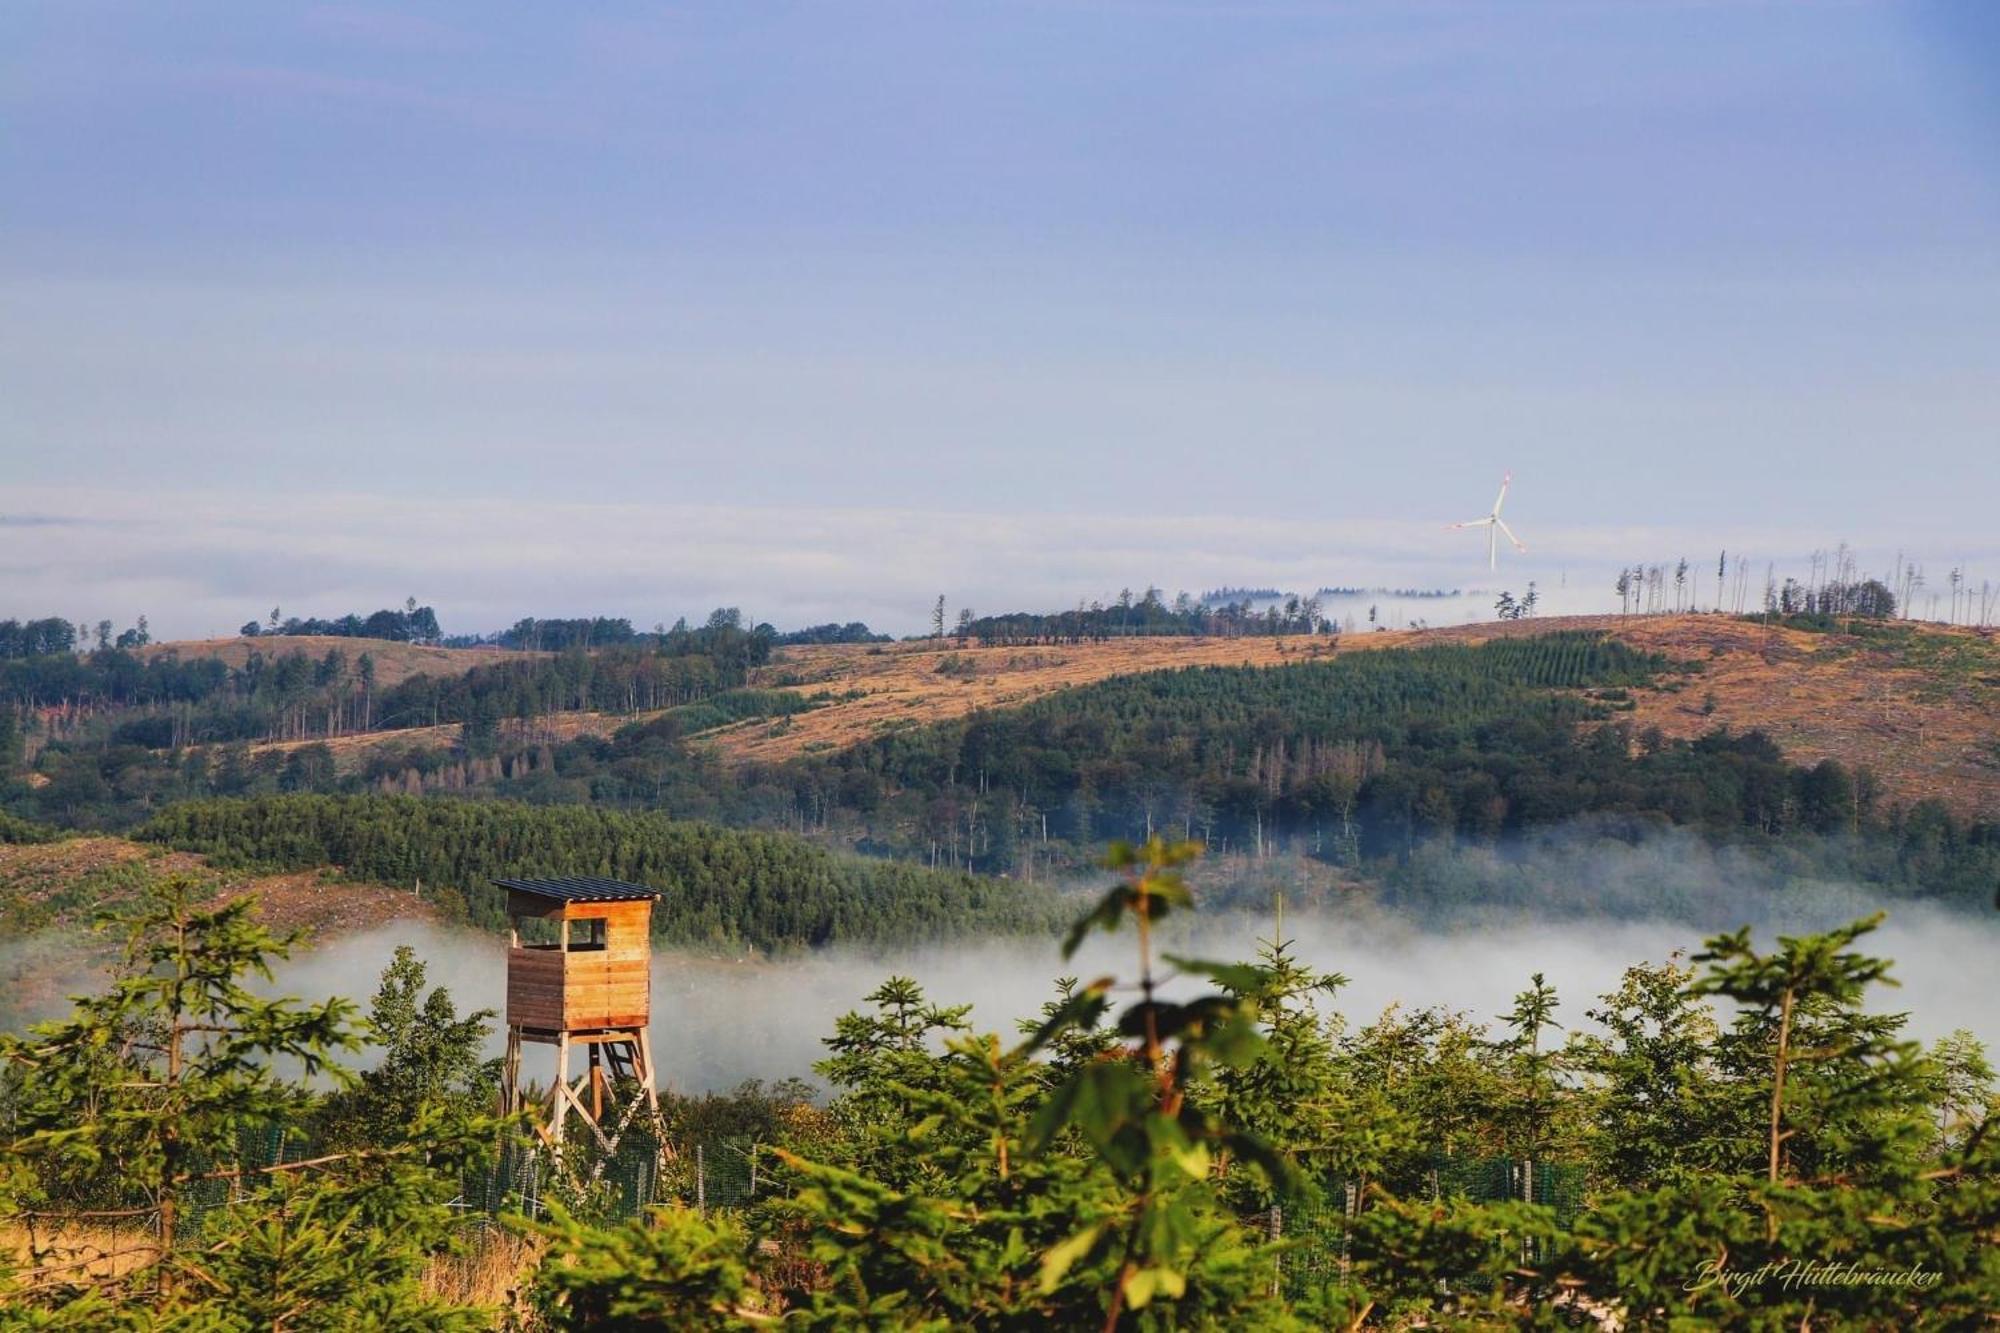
1918, 705
51, 893
64, 884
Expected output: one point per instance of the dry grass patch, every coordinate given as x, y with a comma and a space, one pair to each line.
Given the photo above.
394, 662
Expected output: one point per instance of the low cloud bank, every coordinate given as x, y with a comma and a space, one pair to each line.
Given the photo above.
716, 1022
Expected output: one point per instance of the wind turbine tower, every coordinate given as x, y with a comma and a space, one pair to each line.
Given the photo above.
1494, 526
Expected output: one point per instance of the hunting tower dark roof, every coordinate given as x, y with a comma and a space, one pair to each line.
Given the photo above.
580, 889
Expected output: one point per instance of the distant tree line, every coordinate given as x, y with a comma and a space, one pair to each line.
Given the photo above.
112, 677
1406, 594
554, 635
411, 624
853, 631
1147, 613
1869, 599
1225, 595
52, 636
37, 638
118, 732
1834, 585
558, 634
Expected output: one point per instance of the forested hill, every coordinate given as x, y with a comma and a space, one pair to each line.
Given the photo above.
1363, 757
721, 888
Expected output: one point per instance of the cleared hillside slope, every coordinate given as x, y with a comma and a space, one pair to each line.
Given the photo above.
394, 662
1918, 705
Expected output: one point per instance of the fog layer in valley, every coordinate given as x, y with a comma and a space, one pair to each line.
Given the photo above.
716, 1023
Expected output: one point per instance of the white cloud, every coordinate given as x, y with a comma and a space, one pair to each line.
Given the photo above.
201, 563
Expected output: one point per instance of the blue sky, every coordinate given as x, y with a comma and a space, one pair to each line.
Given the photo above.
822, 308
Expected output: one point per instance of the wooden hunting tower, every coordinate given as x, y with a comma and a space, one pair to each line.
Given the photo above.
579, 974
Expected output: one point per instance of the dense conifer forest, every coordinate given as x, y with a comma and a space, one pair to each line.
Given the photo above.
722, 888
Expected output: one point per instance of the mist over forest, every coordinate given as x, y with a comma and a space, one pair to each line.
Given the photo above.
718, 1021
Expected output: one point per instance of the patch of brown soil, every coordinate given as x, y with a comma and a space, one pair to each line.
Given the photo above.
37, 884
51, 893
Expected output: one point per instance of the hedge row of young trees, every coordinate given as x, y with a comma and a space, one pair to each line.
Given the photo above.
1760, 1147
723, 888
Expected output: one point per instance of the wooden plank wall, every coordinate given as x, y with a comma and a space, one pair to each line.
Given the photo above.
535, 988
611, 987
608, 987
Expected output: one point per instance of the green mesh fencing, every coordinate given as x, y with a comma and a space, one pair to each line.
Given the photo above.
1318, 1244
729, 1174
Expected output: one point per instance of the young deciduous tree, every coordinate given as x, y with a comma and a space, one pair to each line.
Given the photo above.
1531, 1091
430, 1058
1657, 1112
1834, 1080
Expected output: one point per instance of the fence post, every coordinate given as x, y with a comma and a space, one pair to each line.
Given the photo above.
700, 1181
1274, 1227
1349, 1206
753, 1168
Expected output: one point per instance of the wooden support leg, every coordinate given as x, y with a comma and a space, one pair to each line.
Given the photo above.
510, 1083
557, 1111
646, 1073
643, 1058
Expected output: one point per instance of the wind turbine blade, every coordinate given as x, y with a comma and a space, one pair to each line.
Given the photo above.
1492, 545
1501, 499
1519, 545
1470, 523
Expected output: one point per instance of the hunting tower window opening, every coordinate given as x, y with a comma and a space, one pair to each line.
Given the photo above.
537, 932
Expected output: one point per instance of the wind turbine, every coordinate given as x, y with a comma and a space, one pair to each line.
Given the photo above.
1494, 527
